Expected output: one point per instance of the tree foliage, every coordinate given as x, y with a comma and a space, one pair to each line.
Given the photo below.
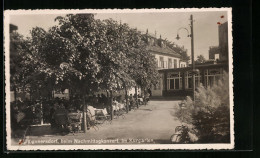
86, 54
200, 59
210, 115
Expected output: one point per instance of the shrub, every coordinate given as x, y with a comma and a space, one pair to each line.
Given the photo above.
210, 115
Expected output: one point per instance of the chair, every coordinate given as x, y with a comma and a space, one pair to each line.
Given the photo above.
102, 116
75, 122
140, 101
122, 110
118, 110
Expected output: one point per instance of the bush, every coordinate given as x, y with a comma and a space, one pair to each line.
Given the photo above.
210, 116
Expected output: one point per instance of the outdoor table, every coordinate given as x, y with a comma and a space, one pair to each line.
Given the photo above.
71, 114
98, 111
140, 99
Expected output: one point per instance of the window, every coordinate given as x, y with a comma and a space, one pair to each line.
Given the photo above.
175, 63
169, 63
189, 82
161, 62
212, 76
174, 81
165, 64
157, 63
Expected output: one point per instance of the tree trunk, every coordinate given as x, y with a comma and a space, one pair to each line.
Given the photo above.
145, 99
15, 95
84, 114
126, 100
136, 97
111, 105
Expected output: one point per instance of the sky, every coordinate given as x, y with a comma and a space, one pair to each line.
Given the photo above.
165, 24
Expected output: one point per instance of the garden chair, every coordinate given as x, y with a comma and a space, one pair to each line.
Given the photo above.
75, 122
102, 116
122, 110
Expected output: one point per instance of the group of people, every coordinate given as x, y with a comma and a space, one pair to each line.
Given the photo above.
56, 111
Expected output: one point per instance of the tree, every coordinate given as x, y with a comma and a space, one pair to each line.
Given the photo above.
180, 50
88, 55
16, 43
143, 70
64, 56
200, 59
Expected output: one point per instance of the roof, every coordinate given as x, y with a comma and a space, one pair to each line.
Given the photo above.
164, 51
196, 67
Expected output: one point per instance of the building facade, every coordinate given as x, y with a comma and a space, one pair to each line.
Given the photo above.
166, 58
178, 82
220, 52
223, 41
214, 52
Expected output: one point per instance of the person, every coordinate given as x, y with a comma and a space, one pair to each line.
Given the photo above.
61, 118
136, 100
14, 113
119, 99
104, 99
150, 92
99, 99
131, 102
54, 107
95, 100
147, 97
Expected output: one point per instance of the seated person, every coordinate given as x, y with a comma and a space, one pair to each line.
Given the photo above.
115, 105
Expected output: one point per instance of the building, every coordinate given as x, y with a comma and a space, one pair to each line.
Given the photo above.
12, 28
220, 52
177, 81
214, 52
223, 41
166, 58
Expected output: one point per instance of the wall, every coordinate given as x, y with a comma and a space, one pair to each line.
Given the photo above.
183, 64
165, 60
205, 79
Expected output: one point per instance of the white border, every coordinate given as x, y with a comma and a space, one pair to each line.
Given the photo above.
7, 13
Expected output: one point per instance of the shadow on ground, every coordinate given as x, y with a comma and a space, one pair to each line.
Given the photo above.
38, 131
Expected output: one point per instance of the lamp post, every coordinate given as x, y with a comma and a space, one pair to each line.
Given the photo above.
191, 35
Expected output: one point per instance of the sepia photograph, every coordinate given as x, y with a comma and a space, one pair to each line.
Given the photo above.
151, 79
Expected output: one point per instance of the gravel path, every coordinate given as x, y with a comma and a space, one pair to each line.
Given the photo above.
154, 121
